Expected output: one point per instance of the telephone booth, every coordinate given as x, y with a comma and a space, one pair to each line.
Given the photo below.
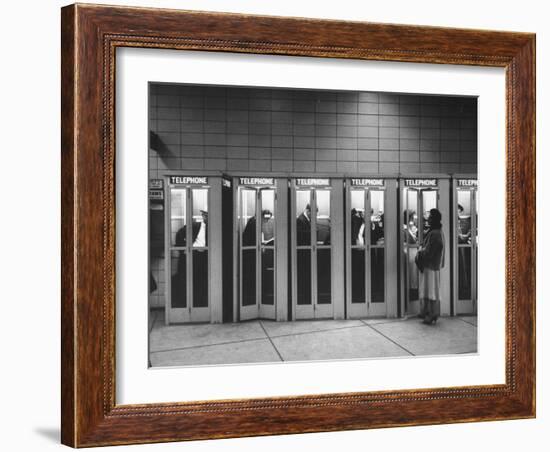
371, 205
418, 196
193, 250
317, 236
465, 233
261, 248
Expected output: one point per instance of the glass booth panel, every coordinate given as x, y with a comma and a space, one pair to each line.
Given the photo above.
200, 217
324, 293
411, 240
178, 201
303, 218
303, 279
357, 217
323, 217
464, 216
429, 201
464, 240
410, 217
377, 217
200, 278
267, 198
247, 218
377, 273
248, 277
268, 276
476, 213
178, 289
464, 273
358, 275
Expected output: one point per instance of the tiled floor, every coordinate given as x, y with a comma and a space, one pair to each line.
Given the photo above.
268, 341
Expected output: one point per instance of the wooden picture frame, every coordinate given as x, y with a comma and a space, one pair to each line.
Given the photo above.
90, 36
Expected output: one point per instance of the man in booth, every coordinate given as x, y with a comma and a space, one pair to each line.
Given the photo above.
303, 227
199, 233
267, 229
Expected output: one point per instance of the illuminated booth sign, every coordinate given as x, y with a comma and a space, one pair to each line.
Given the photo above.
421, 183
309, 182
256, 181
467, 182
367, 182
188, 180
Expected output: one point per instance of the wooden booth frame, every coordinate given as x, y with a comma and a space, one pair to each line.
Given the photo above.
90, 36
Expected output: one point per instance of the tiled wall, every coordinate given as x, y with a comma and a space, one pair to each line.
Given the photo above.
229, 129
257, 130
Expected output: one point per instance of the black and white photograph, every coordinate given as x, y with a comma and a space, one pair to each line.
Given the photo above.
292, 225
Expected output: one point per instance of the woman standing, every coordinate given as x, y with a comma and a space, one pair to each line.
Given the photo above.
430, 260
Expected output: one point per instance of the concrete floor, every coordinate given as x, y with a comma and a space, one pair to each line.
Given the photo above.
268, 341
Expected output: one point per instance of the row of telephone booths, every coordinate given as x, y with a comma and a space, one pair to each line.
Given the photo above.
280, 248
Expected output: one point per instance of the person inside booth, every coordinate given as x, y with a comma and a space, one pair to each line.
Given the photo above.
199, 233
357, 227
303, 227
267, 229
377, 229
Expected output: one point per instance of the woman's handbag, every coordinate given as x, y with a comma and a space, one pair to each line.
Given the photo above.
419, 261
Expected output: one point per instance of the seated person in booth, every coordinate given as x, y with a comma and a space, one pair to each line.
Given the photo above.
199, 235
430, 259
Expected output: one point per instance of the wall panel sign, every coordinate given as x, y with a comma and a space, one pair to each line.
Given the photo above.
256, 181
421, 183
188, 180
156, 194
313, 182
156, 184
367, 182
467, 182
226, 183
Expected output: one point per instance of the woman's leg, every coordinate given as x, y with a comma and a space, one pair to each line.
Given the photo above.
422, 296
